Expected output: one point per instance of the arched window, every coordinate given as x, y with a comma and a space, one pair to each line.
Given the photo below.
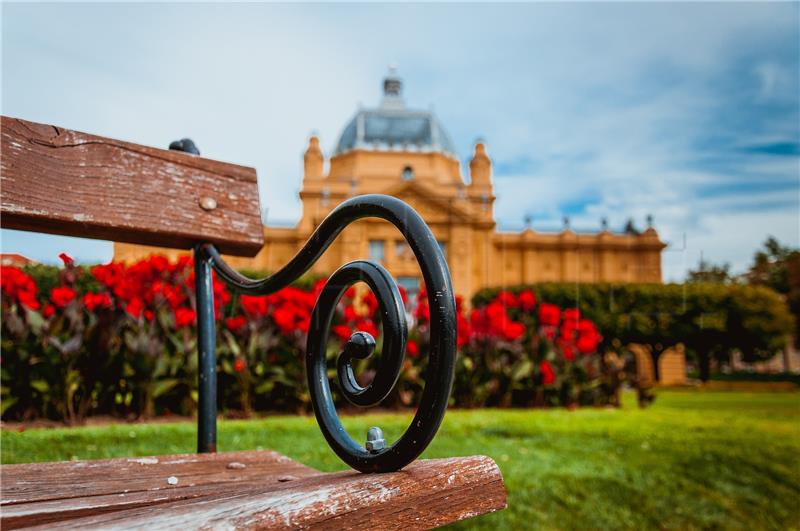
408, 173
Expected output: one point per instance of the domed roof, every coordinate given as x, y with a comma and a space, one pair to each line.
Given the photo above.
393, 127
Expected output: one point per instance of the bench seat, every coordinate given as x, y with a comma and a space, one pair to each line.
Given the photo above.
254, 489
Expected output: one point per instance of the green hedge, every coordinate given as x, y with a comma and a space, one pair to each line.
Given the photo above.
711, 320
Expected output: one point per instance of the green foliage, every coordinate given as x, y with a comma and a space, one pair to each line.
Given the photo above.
778, 267
710, 273
48, 277
709, 319
771, 266
695, 460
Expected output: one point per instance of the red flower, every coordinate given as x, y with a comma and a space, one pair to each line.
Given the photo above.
464, 330
588, 337
239, 365
92, 301
507, 299
341, 331
527, 300
513, 330
236, 323
403, 294
569, 352
67, 259
350, 313
366, 325
48, 311
254, 305
412, 348
548, 376
135, 307
572, 315
371, 302
184, 317
319, 285
284, 318
19, 286
549, 314
493, 322
422, 312
29, 300
587, 344
585, 326
62, 295
567, 330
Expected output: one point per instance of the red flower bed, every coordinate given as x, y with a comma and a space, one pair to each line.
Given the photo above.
119, 339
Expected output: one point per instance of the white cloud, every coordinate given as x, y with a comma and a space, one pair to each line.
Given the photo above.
602, 104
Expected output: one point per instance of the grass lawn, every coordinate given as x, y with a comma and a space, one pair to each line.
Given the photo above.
693, 460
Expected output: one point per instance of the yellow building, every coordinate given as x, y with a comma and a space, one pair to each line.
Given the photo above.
407, 154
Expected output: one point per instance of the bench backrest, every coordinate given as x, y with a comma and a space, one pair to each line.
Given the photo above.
65, 182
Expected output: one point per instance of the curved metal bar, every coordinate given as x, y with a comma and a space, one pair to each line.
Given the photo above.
362, 344
441, 300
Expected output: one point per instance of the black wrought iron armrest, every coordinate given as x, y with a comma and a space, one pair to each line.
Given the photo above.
439, 376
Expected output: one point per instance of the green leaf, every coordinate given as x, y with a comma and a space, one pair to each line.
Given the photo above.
35, 321
236, 349
265, 388
7, 403
164, 386
162, 367
40, 385
521, 369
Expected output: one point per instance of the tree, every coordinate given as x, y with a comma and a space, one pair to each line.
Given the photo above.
778, 267
712, 273
711, 320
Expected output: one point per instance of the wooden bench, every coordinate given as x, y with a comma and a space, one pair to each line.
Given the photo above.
65, 182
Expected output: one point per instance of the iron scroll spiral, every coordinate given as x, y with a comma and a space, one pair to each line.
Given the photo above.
441, 301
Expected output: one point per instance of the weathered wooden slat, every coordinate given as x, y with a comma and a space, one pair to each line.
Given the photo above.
425, 494
65, 182
37, 494
73, 479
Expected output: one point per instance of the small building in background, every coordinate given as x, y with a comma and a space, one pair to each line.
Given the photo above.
407, 153
16, 260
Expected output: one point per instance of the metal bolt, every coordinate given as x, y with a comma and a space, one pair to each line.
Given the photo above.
208, 203
375, 442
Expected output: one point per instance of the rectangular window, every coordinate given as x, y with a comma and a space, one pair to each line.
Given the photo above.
411, 285
376, 250
401, 250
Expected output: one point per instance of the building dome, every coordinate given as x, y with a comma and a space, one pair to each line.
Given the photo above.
393, 127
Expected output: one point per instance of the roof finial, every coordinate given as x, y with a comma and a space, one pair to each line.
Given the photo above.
392, 85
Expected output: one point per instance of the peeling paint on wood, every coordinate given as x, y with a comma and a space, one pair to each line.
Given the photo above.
128, 494
66, 182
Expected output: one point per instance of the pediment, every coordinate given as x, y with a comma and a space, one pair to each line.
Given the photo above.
429, 203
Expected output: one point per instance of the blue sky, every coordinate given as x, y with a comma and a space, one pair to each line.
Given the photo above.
688, 112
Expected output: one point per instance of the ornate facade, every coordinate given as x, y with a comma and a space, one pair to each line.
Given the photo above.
408, 154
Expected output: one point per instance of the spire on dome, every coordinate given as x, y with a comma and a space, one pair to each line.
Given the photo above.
392, 90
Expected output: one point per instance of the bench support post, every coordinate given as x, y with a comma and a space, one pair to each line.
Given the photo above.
206, 354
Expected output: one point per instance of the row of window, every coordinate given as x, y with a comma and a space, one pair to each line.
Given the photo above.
377, 249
